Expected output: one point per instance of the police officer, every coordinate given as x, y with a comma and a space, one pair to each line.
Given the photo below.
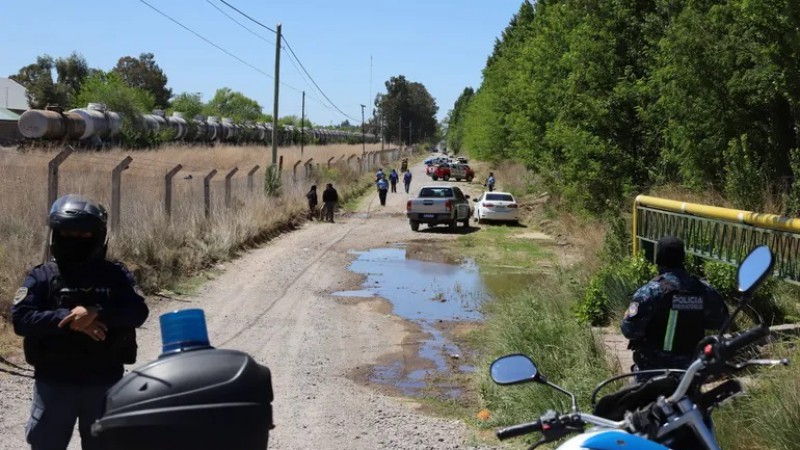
78, 316
668, 316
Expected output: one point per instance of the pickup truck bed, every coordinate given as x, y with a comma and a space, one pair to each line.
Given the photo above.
436, 205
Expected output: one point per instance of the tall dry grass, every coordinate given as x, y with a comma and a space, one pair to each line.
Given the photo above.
160, 250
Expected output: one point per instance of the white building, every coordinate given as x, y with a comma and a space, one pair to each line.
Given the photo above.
12, 96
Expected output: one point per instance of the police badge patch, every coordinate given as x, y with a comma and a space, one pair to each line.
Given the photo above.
632, 310
20, 295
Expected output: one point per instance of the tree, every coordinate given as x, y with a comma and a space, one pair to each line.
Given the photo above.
229, 103
144, 73
111, 90
455, 120
188, 103
410, 105
42, 90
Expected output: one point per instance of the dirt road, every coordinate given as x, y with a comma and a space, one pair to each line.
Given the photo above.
274, 303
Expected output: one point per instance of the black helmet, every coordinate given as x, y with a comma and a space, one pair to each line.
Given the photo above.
85, 225
670, 252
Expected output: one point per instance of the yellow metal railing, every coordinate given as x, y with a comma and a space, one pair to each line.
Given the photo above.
718, 233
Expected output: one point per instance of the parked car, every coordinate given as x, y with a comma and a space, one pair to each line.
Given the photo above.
440, 171
436, 205
495, 205
461, 172
462, 160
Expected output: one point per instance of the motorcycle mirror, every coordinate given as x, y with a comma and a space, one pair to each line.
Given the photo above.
755, 268
513, 369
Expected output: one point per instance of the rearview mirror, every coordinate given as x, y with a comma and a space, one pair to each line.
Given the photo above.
757, 266
475, 200
513, 369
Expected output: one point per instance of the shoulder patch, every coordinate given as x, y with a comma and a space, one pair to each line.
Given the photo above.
20, 295
632, 310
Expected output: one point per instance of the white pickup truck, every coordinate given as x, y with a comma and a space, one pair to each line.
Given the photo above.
436, 205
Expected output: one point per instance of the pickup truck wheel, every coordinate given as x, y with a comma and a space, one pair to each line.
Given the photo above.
435, 178
465, 223
414, 225
458, 179
446, 177
469, 179
452, 224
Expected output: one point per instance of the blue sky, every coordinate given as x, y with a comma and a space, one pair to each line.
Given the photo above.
440, 43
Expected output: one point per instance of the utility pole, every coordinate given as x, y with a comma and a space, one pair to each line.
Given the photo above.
380, 115
302, 123
400, 131
275, 102
363, 135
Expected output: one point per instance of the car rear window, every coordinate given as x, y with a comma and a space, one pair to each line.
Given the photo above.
500, 197
435, 192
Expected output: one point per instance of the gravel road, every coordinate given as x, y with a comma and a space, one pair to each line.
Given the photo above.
274, 303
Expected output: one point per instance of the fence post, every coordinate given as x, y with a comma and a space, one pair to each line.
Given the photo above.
350, 158
116, 193
250, 177
52, 187
168, 189
308, 166
294, 171
280, 164
228, 186
207, 191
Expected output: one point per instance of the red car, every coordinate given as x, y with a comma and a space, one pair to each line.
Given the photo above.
441, 171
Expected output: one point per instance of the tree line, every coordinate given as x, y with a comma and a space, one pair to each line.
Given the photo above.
136, 85
605, 98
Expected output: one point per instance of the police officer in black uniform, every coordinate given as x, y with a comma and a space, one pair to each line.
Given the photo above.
669, 315
78, 316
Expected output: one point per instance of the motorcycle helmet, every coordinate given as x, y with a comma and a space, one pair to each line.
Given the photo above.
78, 230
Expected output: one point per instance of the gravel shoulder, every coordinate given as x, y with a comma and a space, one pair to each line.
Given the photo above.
273, 302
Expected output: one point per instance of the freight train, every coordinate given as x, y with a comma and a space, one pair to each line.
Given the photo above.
96, 126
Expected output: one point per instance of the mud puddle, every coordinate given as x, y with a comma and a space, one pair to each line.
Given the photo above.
434, 296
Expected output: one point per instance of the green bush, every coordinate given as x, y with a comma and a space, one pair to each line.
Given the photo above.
723, 278
610, 289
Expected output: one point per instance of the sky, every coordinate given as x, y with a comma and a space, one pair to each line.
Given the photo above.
442, 44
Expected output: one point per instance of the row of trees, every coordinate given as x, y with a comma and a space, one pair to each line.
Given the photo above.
134, 86
605, 98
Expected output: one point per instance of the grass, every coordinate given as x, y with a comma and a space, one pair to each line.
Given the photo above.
159, 250
499, 246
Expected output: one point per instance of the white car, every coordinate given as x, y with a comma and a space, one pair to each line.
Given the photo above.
496, 206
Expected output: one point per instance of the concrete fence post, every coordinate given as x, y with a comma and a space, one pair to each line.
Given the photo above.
294, 171
228, 186
116, 191
280, 164
250, 177
52, 187
329, 161
168, 189
207, 192
309, 167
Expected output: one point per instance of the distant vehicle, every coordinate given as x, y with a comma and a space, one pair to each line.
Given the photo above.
462, 160
436, 205
440, 171
500, 206
461, 172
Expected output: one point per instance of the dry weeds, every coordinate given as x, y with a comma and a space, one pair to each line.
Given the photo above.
160, 250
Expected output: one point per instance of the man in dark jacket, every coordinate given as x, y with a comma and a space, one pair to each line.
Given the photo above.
78, 316
668, 316
329, 199
313, 200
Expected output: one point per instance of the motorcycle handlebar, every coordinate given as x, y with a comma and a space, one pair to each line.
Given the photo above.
519, 430
736, 343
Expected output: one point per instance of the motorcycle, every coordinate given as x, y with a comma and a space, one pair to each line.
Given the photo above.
669, 411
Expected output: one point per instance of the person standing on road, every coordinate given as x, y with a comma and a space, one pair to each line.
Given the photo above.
407, 180
490, 181
378, 175
383, 188
329, 199
78, 316
313, 201
669, 315
393, 179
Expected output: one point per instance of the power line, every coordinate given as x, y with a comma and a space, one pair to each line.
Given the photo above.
239, 23
207, 41
289, 47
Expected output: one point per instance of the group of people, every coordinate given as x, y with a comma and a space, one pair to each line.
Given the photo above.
384, 185
329, 200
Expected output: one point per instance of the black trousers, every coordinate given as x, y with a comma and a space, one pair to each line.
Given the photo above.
382, 196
